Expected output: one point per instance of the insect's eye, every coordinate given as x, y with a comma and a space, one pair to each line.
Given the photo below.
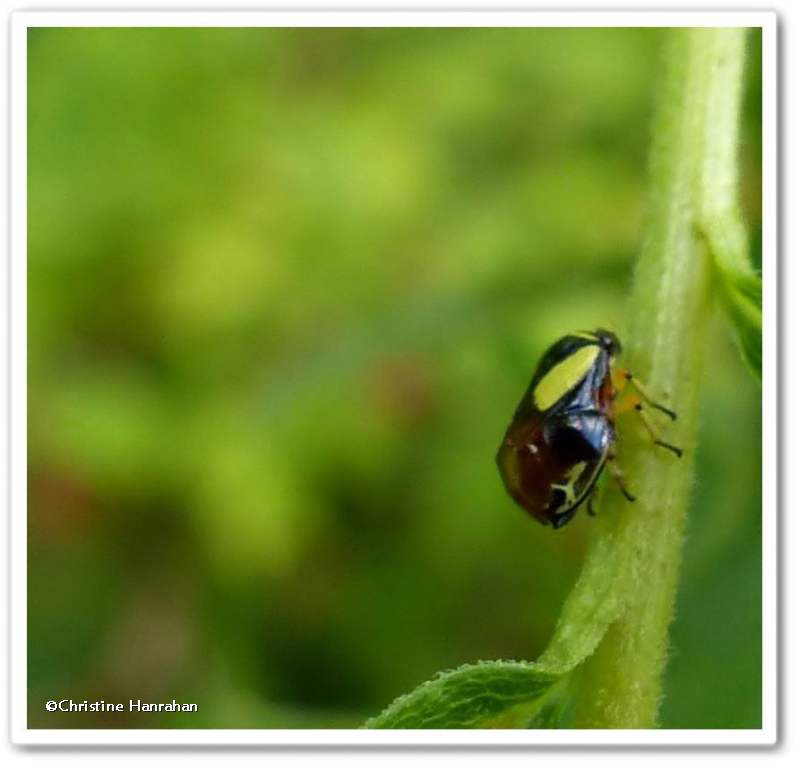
570, 444
609, 341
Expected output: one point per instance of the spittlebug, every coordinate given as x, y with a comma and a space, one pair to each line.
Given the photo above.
562, 434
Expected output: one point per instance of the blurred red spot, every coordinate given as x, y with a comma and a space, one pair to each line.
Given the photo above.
402, 389
60, 505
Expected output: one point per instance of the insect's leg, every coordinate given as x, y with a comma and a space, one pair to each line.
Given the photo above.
619, 478
619, 378
628, 403
646, 396
589, 503
652, 432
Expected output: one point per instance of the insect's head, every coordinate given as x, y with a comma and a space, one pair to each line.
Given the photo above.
608, 341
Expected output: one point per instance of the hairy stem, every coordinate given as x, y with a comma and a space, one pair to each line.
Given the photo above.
693, 192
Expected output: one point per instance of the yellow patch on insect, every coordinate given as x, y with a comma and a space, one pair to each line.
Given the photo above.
564, 376
569, 486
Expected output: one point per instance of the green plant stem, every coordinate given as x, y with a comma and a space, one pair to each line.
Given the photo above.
694, 187
610, 645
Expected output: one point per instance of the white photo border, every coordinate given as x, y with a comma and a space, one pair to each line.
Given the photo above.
21, 21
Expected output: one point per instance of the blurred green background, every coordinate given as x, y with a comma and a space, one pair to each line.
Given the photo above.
286, 287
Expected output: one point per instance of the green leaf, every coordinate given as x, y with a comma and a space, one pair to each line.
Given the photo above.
736, 282
504, 694
556, 713
742, 300
488, 694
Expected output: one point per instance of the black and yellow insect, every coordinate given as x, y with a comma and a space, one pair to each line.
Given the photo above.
562, 434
